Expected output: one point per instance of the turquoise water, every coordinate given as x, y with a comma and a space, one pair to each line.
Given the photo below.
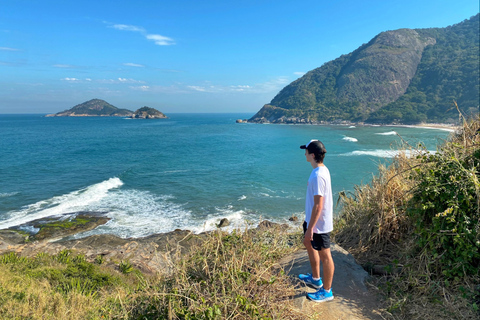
186, 172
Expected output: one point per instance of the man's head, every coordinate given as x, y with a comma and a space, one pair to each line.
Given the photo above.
316, 148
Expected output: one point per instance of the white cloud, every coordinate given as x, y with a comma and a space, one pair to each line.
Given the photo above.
274, 85
197, 88
66, 66
129, 64
299, 73
70, 79
120, 80
125, 27
141, 88
8, 49
160, 40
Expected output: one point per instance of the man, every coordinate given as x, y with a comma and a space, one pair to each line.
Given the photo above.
318, 224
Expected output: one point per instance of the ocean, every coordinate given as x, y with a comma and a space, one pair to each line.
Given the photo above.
185, 172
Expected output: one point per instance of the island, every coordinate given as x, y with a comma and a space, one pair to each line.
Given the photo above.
93, 108
148, 113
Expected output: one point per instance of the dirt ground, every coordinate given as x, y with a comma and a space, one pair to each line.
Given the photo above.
352, 299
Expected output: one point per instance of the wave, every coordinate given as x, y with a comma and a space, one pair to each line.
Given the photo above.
380, 153
351, 127
74, 201
8, 194
389, 133
350, 139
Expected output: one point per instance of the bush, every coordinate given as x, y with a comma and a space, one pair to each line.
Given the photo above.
445, 205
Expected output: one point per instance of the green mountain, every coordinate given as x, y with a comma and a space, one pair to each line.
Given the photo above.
403, 76
92, 108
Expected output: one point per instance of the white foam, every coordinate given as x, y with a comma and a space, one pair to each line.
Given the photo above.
71, 202
7, 194
351, 127
350, 139
389, 133
137, 213
243, 197
383, 153
236, 218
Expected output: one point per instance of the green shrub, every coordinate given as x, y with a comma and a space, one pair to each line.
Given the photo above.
445, 206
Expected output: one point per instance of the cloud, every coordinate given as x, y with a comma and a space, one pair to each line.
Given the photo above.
129, 64
120, 80
141, 88
274, 85
66, 66
299, 73
158, 39
70, 79
8, 49
198, 88
125, 27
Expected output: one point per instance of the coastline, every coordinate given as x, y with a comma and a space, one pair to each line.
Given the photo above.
436, 126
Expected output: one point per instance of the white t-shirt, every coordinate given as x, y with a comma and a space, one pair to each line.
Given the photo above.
320, 184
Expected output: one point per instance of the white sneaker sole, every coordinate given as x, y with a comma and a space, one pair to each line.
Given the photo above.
319, 301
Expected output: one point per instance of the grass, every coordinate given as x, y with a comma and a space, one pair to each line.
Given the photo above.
421, 216
227, 276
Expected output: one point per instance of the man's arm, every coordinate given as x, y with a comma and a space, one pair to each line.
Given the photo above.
316, 213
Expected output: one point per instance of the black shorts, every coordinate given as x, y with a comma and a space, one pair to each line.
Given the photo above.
320, 240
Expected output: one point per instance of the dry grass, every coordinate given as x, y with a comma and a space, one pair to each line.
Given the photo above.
375, 226
225, 276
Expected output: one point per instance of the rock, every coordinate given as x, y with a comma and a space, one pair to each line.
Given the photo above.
265, 224
148, 113
223, 223
54, 227
293, 218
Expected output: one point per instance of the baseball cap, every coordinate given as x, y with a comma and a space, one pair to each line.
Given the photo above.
314, 146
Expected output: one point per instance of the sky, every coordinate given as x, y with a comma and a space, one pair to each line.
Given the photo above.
183, 56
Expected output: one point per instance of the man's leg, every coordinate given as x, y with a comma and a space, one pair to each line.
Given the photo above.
314, 257
325, 256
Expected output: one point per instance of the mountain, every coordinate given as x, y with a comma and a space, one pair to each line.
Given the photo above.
148, 113
403, 76
93, 108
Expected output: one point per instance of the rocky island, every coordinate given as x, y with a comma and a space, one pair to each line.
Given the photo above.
93, 108
148, 113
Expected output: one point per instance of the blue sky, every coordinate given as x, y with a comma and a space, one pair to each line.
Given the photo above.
186, 56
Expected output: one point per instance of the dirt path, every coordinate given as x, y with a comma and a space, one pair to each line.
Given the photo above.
352, 298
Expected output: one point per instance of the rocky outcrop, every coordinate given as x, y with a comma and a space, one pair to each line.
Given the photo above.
151, 254
148, 113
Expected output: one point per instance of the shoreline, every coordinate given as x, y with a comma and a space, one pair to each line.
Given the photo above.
435, 126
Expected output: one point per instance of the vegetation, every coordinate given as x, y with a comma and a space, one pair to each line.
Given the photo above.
94, 107
421, 216
228, 275
402, 76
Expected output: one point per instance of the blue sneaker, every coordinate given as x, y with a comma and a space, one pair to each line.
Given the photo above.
307, 278
320, 296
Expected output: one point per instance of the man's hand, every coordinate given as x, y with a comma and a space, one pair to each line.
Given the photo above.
307, 240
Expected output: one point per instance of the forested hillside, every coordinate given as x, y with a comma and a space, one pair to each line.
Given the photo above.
403, 76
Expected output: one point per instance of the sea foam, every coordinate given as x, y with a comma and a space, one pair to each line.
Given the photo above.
383, 153
350, 139
389, 133
71, 202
